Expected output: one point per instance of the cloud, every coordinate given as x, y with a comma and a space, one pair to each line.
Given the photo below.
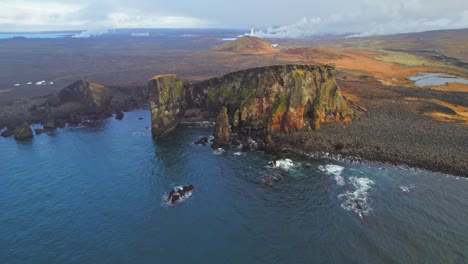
298, 18
95, 16
36, 15
388, 19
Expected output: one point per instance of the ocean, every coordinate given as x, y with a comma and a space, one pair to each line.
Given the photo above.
96, 193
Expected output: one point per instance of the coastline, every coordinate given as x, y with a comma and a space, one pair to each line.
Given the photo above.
388, 128
325, 144
390, 133
15, 113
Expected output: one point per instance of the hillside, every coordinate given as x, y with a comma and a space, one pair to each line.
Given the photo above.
247, 45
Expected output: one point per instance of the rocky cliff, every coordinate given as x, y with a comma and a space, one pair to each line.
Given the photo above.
79, 101
260, 102
92, 96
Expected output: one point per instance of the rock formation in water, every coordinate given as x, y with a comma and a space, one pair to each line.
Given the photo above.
7, 133
23, 132
221, 133
259, 102
119, 115
178, 193
166, 102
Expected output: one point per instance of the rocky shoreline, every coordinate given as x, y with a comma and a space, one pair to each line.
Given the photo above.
389, 133
386, 129
83, 100
354, 144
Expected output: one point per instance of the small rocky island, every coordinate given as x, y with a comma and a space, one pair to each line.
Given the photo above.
259, 103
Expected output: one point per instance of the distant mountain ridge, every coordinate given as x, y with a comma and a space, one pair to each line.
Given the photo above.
247, 45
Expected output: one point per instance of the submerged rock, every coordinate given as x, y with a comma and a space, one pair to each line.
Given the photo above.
50, 125
7, 133
202, 141
271, 178
119, 115
179, 193
39, 131
23, 132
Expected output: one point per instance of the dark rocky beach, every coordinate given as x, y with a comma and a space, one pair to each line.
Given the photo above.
390, 132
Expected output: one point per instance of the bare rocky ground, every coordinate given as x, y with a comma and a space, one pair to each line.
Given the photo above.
391, 130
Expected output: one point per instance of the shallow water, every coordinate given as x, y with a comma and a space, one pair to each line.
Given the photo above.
97, 195
435, 79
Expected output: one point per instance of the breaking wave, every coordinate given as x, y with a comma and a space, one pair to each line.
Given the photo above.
334, 170
218, 151
284, 164
358, 200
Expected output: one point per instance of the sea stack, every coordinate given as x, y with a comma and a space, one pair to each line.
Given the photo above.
221, 133
260, 103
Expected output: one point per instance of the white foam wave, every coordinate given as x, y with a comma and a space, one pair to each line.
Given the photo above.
205, 124
284, 164
218, 151
404, 188
237, 153
334, 170
357, 200
138, 134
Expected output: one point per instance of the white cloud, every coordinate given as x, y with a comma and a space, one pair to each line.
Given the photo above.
126, 20
96, 17
20, 14
387, 19
297, 18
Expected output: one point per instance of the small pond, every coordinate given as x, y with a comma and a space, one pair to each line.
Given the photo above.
435, 79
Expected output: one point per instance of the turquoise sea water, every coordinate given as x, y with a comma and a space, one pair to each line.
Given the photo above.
95, 194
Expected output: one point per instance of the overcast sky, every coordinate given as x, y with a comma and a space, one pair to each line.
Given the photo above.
292, 18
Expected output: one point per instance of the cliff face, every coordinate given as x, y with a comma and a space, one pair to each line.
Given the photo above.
166, 102
260, 101
221, 133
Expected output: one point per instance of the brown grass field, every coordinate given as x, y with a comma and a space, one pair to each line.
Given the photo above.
131, 62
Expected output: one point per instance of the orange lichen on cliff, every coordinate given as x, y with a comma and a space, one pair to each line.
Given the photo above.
294, 120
